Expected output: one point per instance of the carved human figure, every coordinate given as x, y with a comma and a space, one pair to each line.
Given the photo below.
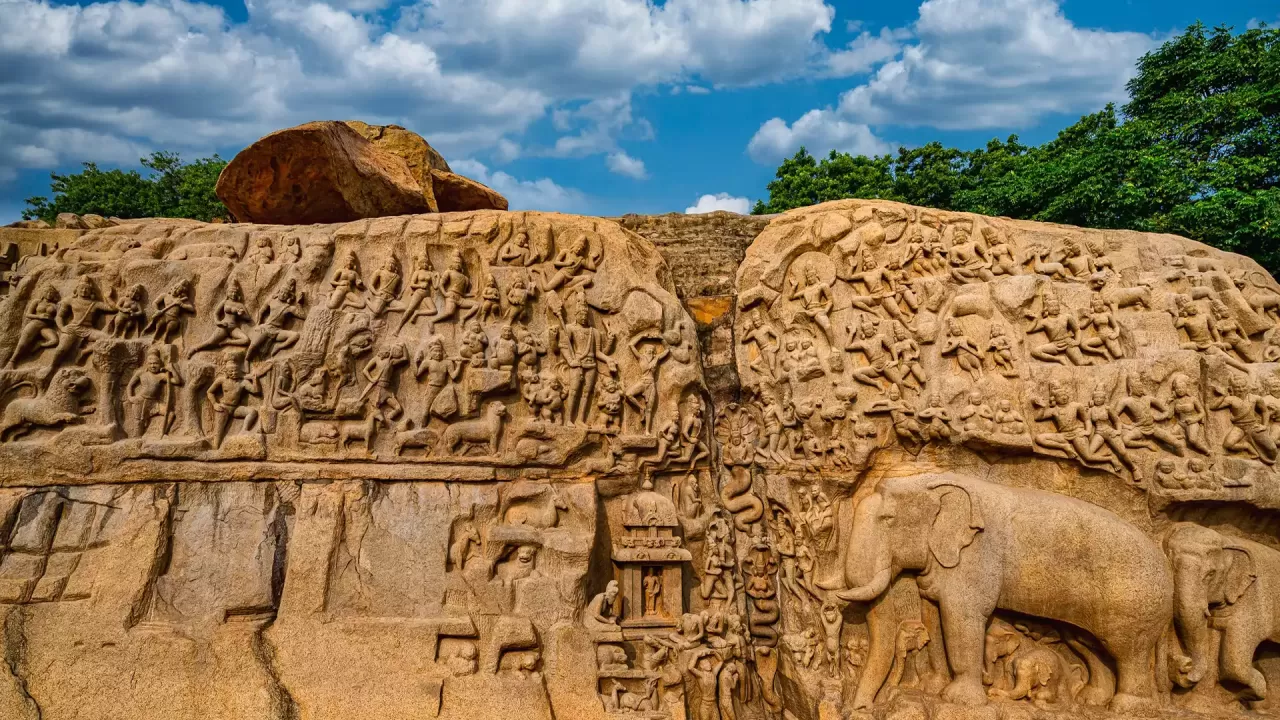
704, 670
609, 402
755, 330
347, 285
1147, 412
384, 287
515, 251
76, 318
881, 289
652, 591
228, 318
903, 417
1062, 332
473, 344
1000, 351
958, 345
816, 301
419, 301
292, 251
1072, 426
455, 287
519, 299
573, 266
605, 609
171, 308
130, 314
382, 372
262, 252
1105, 432
229, 391
935, 419
439, 372
1229, 332
1202, 335
1106, 327
583, 348
1248, 433
977, 416
270, 334
878, 351
968, 258
906, 353
999, 252
39, 328
150, 392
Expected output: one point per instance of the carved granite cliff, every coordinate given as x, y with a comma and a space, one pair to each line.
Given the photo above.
474, 465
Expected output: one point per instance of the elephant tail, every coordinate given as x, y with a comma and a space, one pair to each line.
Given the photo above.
1164, 677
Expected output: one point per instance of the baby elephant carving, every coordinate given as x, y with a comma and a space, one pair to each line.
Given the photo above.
59, 405
1018, 667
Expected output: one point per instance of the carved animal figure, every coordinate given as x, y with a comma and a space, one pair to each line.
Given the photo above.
541, 509
1018, 667
1227, 584
59, 405
486, 429
982, 546
412, 437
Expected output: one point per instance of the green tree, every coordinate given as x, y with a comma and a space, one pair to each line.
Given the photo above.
173, 189
1195, 151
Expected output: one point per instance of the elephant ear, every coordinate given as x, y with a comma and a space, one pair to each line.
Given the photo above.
1240, 573
958, 522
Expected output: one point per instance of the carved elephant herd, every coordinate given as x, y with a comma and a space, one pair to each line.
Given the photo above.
977, 547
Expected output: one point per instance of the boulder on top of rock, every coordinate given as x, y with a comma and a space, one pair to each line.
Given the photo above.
455, 193
320, 172
406, 144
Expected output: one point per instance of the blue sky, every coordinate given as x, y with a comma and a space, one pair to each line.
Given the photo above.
589, 106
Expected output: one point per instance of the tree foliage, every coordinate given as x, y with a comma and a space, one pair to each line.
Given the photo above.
172, 189
1195, 151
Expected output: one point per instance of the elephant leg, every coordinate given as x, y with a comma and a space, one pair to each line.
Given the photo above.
882, 627
1236, 657
964, 632
936, 649
1135, 683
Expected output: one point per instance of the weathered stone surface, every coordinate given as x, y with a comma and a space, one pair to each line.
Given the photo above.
320, 172
405, 144
29, 225
967, 468
70, 221
455, 193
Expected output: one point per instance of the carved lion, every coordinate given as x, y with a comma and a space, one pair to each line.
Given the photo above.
486, 429
59, 405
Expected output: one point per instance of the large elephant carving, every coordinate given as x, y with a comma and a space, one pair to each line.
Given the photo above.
976, 546
1229, 584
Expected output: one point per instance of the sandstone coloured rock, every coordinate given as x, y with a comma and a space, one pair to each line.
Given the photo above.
486, 465
405, 144
320, 172
455, 193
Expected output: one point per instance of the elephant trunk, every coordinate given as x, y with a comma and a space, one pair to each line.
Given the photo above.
1191, 618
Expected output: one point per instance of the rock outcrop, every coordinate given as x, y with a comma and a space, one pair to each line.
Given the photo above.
405, 144
455, 193
320, 172
860, 460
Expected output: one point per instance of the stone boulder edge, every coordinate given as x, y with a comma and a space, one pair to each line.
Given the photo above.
319, 172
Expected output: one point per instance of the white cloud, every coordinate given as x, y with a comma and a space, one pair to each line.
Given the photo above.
866, 51
817, 130
470, 75
719, 201
697, 90
540, 194
964, 64
996, 63
623, 164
